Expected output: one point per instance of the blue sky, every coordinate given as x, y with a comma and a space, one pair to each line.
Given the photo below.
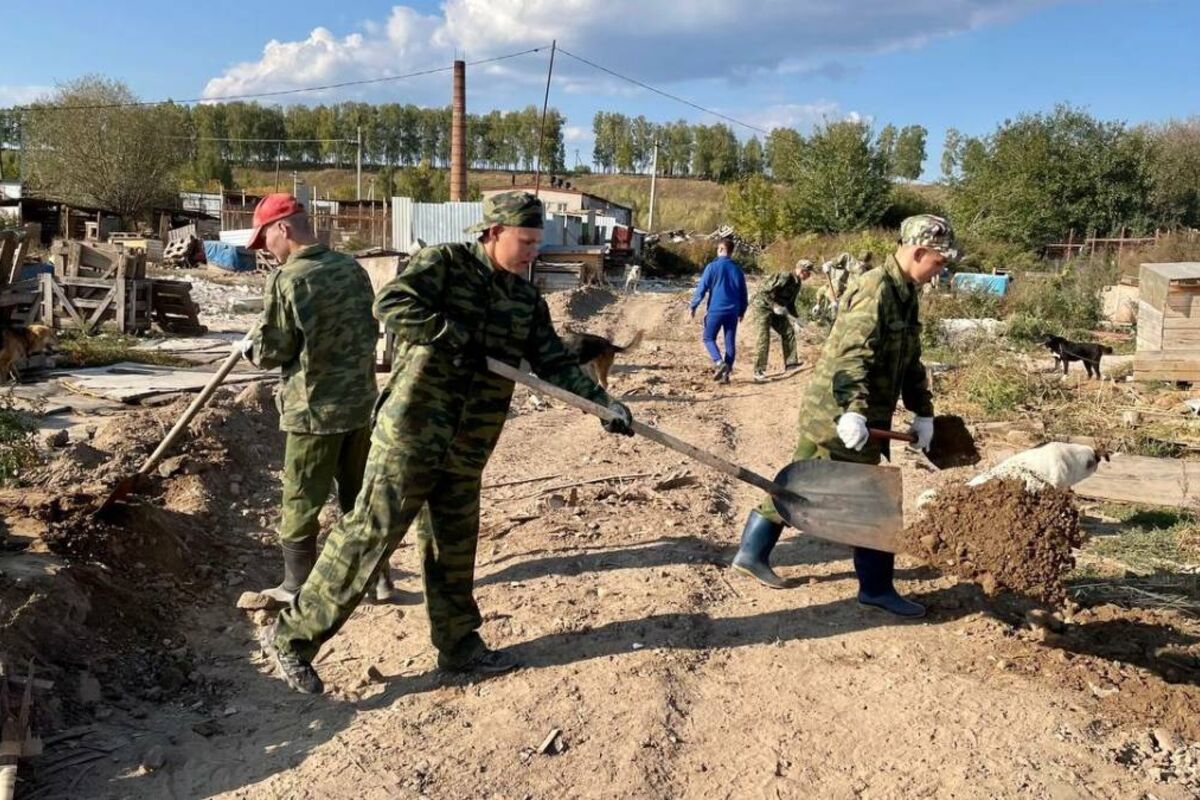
940, 63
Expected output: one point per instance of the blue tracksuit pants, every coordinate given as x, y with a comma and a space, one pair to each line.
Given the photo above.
715, 324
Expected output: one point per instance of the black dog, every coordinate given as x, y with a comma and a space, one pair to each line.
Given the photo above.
1066, 351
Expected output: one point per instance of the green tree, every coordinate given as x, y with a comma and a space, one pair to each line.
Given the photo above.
952, 147
840, 182
126, 159
1175, 171
1039, 176
886, 142
752, 157
909, 159
755, 209
783, 150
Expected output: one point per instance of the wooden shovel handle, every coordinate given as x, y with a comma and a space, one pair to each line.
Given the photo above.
641, 429
895, 436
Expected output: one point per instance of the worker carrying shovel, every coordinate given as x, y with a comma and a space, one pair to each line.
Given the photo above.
774, 307
317, 328
871, 359
435, 427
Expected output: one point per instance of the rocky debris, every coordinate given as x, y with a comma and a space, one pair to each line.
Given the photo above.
1001, 536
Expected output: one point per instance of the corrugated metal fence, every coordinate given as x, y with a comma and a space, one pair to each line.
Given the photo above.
439, 223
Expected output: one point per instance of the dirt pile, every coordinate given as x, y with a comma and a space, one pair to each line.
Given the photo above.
579, 305
1000, 536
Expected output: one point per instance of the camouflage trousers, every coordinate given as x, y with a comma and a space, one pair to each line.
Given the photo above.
312, 463
764, 323
445, 500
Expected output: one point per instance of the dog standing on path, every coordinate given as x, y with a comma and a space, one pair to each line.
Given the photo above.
20, 343
596, 354
1066, 351
633, 276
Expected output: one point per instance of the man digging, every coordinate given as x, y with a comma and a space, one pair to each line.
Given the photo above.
871, 359
316, 326
435, 427
775, 304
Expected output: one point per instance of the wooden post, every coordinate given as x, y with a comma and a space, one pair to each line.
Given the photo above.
47, 281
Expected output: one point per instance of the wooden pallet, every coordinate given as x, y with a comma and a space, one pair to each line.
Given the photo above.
174, 309
87, 303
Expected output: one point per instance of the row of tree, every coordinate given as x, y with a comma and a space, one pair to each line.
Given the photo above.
626, 144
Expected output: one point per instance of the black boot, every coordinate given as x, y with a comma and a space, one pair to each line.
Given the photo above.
753, 555
298, 560
875, 570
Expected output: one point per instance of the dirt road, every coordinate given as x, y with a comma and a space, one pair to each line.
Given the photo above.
668, 675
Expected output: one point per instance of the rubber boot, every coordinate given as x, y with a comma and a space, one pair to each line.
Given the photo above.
754, 553
875, 570
298, 560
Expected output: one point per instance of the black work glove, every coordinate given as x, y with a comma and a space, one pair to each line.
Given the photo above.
622, 423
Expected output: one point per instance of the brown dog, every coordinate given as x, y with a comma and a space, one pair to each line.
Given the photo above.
596, 354
20, 343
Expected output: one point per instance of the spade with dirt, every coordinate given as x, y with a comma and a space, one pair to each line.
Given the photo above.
130, 483
852, 504
952, 444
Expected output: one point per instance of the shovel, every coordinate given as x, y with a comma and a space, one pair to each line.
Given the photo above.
952, 444
852, 504
130, 483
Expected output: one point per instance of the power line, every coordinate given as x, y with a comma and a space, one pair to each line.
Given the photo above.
271, 141
668, 95
280, 92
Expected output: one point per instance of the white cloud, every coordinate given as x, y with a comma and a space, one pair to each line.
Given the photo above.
20, 95
667, 41
575, 133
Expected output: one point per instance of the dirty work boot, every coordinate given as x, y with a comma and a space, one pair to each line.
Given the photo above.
760, 377
753, 555
875, 570
298, 560
726, 371
792, 366
719, 369
295, 671
477, 657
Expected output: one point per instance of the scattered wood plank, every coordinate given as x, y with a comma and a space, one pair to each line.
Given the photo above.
130, 383
1143, 480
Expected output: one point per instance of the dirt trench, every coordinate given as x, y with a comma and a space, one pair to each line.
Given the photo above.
603, 567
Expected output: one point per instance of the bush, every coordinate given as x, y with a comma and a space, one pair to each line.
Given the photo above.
1065, 305
18, 448
680, 258
905, 202
988, 255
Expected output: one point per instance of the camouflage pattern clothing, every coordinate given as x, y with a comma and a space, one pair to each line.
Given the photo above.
434, 429
780, 289
871, 359
317, 327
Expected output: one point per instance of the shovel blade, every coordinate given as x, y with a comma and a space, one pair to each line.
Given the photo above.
852, 504
952, 445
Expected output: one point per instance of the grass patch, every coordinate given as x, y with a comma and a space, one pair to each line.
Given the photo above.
988, 385
18, 431
77, 349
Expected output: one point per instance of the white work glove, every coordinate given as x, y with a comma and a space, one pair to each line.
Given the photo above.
852, 430
825, 267
243, 345
816, 309
778, 310
923, 428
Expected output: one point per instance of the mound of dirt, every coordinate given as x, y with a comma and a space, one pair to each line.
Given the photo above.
579, 305
1001, 536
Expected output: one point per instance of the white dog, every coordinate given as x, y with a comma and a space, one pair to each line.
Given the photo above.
1054, 464
633, 276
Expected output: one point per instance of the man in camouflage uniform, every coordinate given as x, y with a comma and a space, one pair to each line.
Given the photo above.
435, 426
774, 305
871, 359
316, 326
840, 272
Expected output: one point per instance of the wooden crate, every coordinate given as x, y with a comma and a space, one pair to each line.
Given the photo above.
1168, 336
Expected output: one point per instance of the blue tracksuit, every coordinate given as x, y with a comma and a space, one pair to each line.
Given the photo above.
725, 285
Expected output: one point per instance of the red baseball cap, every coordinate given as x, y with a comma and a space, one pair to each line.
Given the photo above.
272, 208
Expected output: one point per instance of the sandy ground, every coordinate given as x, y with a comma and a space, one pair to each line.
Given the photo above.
668, 675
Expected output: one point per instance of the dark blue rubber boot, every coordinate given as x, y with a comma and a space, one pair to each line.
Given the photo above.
754, 554
875, 570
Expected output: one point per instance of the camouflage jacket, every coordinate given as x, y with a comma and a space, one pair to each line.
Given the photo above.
317, 326
842, 270
871, 359
781, 288
449, 309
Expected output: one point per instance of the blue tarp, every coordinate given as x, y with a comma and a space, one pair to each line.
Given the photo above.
978, 282
229, 256
28, 271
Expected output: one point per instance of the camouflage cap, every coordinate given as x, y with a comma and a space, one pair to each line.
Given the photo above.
804, 263
927, 230
518, 209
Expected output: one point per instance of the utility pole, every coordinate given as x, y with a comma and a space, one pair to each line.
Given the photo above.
359, 193
537, 178
653, 178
